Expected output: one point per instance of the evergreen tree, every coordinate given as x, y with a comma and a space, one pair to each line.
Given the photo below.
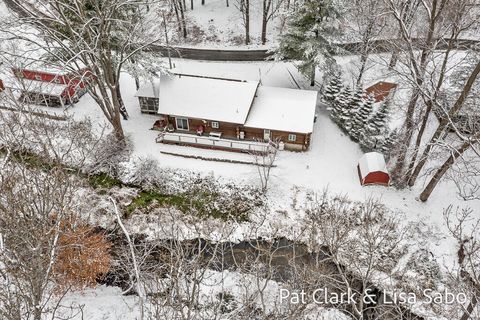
360, 119
340, 104
309, 37
353, 107
390, 141
374, 135
378, 122
333, 89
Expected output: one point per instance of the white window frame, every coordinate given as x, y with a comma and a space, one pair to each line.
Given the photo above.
182, 129
292, 137
215, 125
38, 77
267, 134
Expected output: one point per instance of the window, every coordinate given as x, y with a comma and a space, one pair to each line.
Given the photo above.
182, 123
292, 137
266, 134
38, 77
215, 125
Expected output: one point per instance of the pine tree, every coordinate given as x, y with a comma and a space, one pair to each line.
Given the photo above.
374, 135
353, 107
309, 37
340, 104
378, 122
390, 141
360, 119
333, 89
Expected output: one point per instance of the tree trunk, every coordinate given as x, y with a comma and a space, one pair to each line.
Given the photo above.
411, 173
137, 83
118, 129
266, 7
363, 64
191, 4
471, 306
228, 4
177, 14
203, 3
116, 120
393, 59
443, 169
398, 169
312, 77
367, 36
122, 109
411, 178
445, 121
182, 16
247, 21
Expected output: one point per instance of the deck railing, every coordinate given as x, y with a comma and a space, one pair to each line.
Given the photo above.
219, 143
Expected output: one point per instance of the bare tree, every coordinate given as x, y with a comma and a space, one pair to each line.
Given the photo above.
464, 227
244, 7
38, 212
369, 21
69, 37
269, 9
264, 160
434, 11
360, 239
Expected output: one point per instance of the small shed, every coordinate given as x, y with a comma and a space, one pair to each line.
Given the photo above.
381, 91
372, 169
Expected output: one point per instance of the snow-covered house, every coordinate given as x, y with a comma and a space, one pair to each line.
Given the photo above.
49, 85
229, 109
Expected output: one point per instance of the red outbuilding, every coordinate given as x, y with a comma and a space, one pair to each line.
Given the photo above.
381, 91
372, 169
51, 87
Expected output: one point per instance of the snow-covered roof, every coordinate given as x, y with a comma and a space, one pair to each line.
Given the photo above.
372, 162
148, 90
38, 65
234, 101
206, 98
34, 86
283, 109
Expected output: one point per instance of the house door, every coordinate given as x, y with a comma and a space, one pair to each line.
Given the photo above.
182, 124
266, 134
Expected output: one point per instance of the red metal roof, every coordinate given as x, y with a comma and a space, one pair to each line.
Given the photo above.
381, 90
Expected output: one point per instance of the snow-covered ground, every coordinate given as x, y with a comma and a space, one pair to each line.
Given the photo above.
330, 163
215, 25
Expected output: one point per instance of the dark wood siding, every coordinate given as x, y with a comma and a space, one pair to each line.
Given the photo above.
232, 130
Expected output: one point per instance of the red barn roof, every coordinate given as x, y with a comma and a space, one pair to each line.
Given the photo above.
381, 90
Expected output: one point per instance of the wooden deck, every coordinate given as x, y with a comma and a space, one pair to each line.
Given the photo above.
214, 143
